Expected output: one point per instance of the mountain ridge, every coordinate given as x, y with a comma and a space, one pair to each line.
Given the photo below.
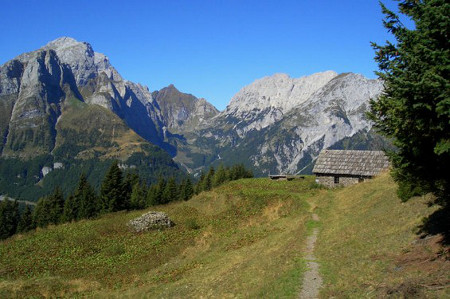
277, 137
275, 124
65, 104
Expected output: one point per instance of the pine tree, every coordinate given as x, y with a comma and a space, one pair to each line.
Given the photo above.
49, 209
71, 209
137, 197
9, 218
207, 184
86, 199
26, 220
182, 190
41, 215
170, 192
152, 196
414, 109
112, 192
188, 190
200, 183
130, 180
56, 206
220, 176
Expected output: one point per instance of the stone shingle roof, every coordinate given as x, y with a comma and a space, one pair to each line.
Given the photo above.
346, 162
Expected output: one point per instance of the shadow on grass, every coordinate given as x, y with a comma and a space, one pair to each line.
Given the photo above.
438, 223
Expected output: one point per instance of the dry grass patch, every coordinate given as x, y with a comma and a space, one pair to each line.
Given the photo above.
367, 230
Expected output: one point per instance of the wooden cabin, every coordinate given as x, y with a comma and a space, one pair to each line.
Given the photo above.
346, 167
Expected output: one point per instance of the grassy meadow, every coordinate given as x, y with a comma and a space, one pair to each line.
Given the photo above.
243, 239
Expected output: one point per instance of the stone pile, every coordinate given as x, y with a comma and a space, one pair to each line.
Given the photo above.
149, 221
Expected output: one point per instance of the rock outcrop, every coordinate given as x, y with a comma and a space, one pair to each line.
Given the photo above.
150, 221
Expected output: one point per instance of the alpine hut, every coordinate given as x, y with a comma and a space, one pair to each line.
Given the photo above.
347, 167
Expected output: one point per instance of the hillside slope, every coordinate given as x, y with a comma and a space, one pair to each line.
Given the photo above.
369, 245
243, 239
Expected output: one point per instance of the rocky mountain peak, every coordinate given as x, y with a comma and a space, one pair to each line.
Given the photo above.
64, 42
172, 91
279, 91
267, 100
81, 58
182, 111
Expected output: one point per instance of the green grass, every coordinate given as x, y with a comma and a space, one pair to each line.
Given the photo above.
365, 234
243, 239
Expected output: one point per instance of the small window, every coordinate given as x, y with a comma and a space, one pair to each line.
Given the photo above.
336, 180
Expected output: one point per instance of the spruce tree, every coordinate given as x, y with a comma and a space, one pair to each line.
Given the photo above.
220, 176
182, 190
200, 183
160, 190
112, 192
414, 110
56, 206
207, 184
86, 199
49, 209
71, 209
26, 220
188, 190
137, 197
170, 192
152, 196
130, 180
9, 218
41, 215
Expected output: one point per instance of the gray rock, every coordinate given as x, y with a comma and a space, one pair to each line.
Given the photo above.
149, 221
36, 86
280, 124
182, 112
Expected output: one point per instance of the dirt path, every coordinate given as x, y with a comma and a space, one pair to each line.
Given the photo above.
312, 281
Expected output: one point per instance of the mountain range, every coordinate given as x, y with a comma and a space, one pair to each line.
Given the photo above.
65, 108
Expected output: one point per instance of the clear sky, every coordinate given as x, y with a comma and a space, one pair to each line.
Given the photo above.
210, 48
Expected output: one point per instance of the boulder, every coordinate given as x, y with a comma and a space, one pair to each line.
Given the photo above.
149, 221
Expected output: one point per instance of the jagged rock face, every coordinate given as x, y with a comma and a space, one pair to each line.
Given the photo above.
334, 112
279, 124
35, 87
266, 100
276, 124
31, 93
182, 112
65, 110
84, 63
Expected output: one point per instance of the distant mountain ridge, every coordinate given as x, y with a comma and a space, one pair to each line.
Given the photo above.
66, 101
279, 124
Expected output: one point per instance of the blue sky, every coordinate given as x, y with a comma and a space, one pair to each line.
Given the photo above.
209, 48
